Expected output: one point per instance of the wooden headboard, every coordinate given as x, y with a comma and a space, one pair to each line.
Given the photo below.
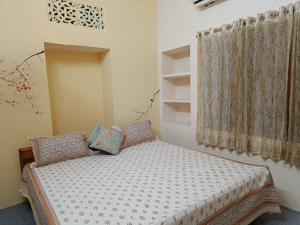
26, 156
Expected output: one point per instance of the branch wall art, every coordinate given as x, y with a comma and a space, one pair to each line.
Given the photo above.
141, 114
17, 83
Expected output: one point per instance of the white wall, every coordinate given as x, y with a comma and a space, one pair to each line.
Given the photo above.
178, 23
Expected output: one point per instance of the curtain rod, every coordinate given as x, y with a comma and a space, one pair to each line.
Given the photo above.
292, 7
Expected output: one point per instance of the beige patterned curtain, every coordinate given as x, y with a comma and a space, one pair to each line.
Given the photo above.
249, 85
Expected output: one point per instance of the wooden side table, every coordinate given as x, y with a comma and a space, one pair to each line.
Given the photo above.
26, 156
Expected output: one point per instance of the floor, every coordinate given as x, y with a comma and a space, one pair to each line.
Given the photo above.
22, 215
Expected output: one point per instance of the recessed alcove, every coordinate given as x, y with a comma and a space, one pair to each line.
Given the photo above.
176, 86
80, 87
177, 113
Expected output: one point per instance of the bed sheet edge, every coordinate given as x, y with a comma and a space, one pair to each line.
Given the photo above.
31, 189
23, 189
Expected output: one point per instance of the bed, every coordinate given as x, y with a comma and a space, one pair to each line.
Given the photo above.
151, 183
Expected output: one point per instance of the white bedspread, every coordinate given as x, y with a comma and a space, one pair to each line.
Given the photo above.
149, 183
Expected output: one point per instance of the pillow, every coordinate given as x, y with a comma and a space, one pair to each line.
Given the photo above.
96, 130
136, 133
108, 141
49, 150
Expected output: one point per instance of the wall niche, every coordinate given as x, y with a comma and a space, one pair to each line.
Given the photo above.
80, 87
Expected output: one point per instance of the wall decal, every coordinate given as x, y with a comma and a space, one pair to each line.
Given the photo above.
77, 13
19, 83
143, 113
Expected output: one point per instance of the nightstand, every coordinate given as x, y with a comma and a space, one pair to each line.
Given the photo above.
26, 156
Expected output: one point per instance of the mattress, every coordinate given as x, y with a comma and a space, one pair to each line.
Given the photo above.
152, 183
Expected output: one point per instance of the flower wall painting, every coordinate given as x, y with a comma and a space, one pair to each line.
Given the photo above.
17, 82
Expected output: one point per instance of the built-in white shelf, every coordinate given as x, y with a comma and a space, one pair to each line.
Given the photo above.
177, 101
177, 113
176, 60
176, 86
176, 75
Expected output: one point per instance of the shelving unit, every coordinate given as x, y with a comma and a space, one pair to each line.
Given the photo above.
177, 113
176, 86
176, 101
177, 75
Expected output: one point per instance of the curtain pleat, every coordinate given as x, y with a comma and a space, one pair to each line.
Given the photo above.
249, 85
293, 150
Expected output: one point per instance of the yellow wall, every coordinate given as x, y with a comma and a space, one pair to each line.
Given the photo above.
74, 83
130, 69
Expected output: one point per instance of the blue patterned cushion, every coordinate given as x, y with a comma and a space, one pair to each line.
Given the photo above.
96, 130
108, 141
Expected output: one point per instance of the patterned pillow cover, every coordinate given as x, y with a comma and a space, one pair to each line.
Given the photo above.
108, 141
54, 149
136, 133
96, 130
